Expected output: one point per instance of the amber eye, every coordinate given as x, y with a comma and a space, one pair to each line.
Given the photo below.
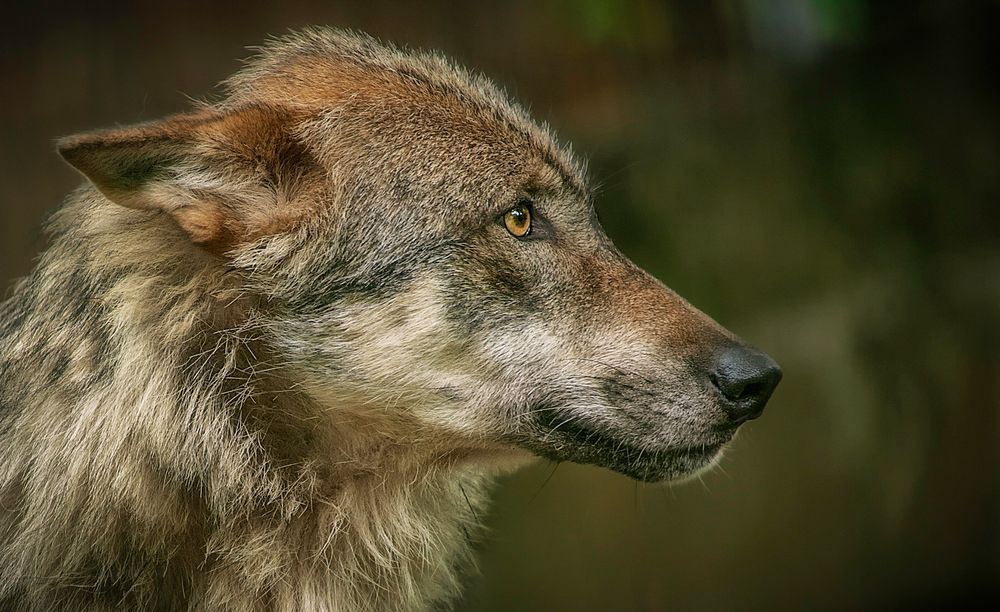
518, 221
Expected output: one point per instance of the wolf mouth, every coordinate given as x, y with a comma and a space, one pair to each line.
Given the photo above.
565, 438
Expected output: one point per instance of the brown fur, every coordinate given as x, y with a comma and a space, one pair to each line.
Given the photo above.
281, 344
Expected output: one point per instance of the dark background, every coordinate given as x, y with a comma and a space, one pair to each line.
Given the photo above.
818, 175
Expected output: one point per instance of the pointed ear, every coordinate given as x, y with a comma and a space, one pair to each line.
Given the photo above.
222, 175
125, 163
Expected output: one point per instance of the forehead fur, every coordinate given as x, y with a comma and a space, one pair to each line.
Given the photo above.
388, 91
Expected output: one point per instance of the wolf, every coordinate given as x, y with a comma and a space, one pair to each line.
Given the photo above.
282, 344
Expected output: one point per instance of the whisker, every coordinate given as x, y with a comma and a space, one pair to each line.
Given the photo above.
544, 482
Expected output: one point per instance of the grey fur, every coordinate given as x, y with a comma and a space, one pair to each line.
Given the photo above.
281, 345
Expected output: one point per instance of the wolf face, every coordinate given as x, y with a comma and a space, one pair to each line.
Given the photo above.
425, 259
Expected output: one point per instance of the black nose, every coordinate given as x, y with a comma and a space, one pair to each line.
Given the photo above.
746, 377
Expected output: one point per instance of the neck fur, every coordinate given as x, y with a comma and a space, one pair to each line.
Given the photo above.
160, 455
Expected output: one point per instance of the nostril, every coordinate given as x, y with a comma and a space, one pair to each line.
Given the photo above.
750, 390
746, 378
736, 386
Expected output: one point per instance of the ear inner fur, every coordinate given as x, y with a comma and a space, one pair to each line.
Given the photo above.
223, 176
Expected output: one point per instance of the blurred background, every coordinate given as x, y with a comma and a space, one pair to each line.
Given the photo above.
821, 176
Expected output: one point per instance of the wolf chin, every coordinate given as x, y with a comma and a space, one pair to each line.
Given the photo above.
281, 344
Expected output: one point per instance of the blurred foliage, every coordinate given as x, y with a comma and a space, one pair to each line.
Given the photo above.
635, 24
819, 175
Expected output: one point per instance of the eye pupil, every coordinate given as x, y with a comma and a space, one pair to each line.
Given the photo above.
518, 221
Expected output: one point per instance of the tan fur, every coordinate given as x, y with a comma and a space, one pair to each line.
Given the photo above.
281, 345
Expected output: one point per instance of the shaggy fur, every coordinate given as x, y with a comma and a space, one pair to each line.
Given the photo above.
282, 343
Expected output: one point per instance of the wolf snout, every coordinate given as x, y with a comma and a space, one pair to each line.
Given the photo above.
746, 378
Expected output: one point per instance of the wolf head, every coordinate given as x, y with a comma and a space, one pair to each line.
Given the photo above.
427, 263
